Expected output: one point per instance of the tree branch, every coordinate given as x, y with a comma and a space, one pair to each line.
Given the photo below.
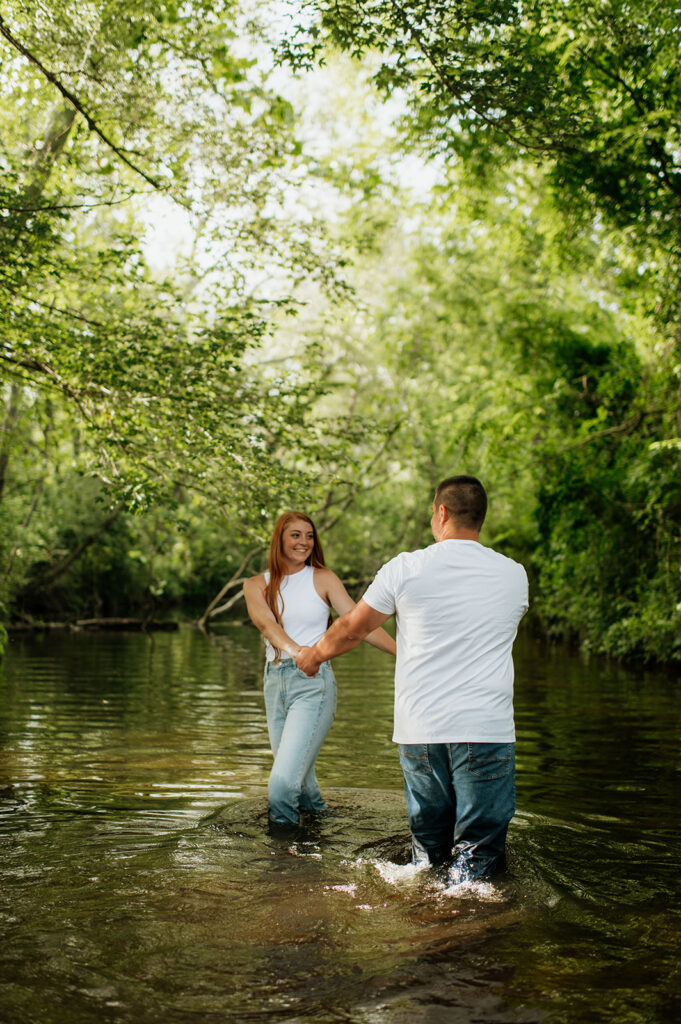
236, 580
652, 145
618, 428
348, 500
232, 601
417, 37
76, 104
52, 574
36, 366
48, 207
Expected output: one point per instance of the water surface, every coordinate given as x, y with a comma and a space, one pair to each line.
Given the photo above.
142, 885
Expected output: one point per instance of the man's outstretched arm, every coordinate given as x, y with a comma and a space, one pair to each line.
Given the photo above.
347, 632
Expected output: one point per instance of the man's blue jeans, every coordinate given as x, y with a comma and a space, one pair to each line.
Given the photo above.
300, 711
460, 800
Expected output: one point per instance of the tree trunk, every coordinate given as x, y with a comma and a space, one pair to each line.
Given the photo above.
46, 152
8, 428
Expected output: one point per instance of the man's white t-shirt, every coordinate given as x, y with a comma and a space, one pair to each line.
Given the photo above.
457, 606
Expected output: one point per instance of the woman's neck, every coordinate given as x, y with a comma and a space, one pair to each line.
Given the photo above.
291, 568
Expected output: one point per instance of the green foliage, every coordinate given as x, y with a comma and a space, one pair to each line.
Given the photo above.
494, 351
584, 313
115, 102
590, 87
515, 316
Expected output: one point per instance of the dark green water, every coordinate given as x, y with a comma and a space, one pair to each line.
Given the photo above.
140, 883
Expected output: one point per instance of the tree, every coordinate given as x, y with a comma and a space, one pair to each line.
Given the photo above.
590, 93
591, 88
113, 107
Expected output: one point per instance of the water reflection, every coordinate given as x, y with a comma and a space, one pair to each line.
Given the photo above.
142, 883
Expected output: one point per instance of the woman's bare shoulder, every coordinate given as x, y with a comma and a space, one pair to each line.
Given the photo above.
324, 574
326, 582
254, 583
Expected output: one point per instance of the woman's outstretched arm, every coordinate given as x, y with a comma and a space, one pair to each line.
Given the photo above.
262, 616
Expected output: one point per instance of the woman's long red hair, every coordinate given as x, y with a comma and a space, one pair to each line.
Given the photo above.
276, 562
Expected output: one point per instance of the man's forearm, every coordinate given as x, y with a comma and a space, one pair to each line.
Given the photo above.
346, 632
337, 640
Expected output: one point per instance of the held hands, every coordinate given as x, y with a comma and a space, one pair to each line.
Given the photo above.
307, 661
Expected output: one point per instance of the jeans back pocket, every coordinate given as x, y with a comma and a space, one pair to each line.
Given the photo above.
414, 758
491, 760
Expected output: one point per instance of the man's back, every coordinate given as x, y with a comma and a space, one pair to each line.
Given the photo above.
457, 606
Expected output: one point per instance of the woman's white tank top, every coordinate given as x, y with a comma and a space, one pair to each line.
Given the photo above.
305, 614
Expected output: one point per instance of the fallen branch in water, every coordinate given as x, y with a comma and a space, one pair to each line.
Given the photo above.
237, 580
132, 625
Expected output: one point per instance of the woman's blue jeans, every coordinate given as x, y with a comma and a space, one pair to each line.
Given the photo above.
460, 800
300, 711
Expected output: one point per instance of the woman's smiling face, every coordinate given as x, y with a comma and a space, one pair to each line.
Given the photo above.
297, 542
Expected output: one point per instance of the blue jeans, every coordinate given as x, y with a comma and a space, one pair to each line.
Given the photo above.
300, 711
460, 800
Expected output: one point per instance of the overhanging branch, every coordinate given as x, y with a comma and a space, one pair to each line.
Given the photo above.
75, 103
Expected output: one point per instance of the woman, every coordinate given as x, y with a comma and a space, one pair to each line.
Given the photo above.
290, 605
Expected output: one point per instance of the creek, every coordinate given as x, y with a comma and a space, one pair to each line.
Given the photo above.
141, 883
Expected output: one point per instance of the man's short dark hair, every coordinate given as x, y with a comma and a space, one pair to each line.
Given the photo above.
465, 499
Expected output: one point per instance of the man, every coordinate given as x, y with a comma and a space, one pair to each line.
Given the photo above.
457, 606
